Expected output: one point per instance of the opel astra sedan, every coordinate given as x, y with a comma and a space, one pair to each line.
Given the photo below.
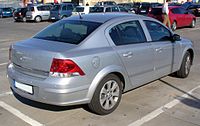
92, 59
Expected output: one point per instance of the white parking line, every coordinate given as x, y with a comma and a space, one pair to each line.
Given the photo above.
1, 64
6, 93
4, 49
160, 110
20, 115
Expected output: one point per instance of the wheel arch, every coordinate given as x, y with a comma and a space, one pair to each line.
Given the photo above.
113, 69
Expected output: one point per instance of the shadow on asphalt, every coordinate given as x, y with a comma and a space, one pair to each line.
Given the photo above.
192, 101
48, 106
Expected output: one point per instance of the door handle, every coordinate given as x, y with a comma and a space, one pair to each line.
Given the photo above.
127, 54
159, 49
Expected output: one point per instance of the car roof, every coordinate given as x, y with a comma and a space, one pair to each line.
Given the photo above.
104, 17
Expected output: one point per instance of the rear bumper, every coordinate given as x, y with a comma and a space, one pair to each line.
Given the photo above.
48, 92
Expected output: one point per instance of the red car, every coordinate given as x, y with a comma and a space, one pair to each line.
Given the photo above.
179, 17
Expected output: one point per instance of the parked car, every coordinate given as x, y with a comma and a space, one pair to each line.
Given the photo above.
6, 12
128, 6
179, 17
104, 9
20, 14
194, 9
105, 3
94, 59
81, 10
144, 7
60, 11
38, 13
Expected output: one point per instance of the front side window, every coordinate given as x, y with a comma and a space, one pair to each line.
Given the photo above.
72, 32
157, 31
127, 33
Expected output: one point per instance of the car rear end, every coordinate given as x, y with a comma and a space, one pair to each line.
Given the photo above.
20, 14
55, 13
52, 69
156, 13
7, 12
31, 13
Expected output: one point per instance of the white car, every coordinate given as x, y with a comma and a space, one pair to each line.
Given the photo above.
81, 10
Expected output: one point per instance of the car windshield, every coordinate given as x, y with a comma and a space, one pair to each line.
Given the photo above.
96, 9
56, 8
78, 9
68, 31
7, 9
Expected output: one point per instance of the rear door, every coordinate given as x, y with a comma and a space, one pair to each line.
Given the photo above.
133, 49
187, 17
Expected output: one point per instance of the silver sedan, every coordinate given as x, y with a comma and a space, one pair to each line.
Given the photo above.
92, 59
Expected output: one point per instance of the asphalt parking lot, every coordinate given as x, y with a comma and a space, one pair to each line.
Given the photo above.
169, 101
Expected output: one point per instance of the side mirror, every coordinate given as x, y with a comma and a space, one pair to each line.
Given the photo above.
176, 37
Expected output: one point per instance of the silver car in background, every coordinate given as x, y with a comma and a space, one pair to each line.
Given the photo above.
38, 13
92, 59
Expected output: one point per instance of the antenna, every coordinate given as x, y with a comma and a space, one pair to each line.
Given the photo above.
80, 15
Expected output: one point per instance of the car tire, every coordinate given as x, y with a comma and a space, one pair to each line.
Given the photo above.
193, 23
24, 19
38, 19
184, 70
107, 95
174, 26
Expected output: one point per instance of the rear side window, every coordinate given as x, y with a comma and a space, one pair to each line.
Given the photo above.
78, 9
31, 9
157, 31
176, 11
66, 31
127, 33
56, 8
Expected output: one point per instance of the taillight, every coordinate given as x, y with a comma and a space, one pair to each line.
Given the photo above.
20, 14
150, 9
65, 68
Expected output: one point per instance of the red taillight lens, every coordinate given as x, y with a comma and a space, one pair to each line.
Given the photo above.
20, 14
65, 68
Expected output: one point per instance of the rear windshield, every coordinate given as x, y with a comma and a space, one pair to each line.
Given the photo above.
7, 9
96, 9
31, 9
156, 11
78, 9
68, 31
56, 8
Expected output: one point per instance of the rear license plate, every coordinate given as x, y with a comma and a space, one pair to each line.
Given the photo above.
143, 10
53, 18
24, 87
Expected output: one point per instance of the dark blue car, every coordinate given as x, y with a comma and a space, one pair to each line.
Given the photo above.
60, 11
6, 12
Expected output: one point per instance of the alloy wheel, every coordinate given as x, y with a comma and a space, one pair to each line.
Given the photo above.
109, 94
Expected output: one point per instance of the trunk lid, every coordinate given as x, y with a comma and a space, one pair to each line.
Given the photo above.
34, 56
